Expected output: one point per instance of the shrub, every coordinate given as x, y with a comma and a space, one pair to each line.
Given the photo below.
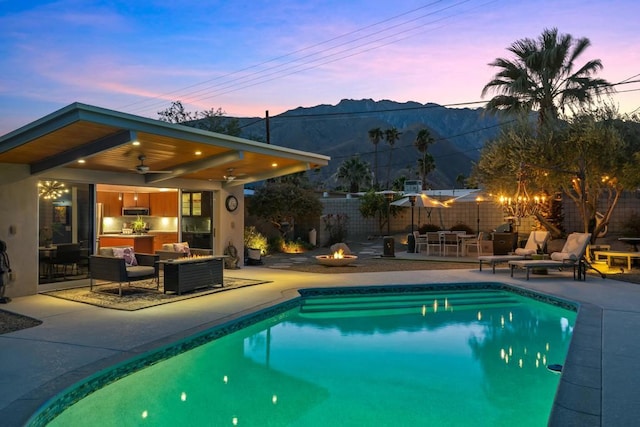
255, 240
278, 244
428, 228
336, 225
460, 226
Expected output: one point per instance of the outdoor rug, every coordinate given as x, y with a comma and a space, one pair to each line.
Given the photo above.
142, 295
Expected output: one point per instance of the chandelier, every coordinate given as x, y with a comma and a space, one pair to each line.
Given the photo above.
521, 205
51, 190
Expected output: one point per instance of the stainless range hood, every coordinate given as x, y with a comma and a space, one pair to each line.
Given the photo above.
135, 211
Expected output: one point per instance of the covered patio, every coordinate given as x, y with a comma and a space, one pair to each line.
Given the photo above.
84, 145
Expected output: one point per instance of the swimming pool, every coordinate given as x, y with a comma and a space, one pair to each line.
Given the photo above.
407, 355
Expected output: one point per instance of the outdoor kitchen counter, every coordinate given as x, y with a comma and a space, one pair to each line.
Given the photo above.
141, 243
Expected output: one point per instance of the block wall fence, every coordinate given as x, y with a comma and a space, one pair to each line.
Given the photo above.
487, 214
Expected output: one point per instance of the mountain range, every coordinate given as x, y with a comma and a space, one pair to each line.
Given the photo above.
342, 131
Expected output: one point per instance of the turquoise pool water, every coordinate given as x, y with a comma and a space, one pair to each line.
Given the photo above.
459, 358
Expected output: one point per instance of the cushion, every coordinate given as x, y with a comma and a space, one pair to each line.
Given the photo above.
563, 256
181, 247
108, 251
167, 247
140, 271
128, 255
524, 251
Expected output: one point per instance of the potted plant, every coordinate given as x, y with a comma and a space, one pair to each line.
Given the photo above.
138, 225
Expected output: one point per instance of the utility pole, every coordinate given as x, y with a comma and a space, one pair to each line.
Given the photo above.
266, 115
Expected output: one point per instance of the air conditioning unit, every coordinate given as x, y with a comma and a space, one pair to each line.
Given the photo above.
412, 186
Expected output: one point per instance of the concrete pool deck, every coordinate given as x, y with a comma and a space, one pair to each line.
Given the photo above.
600, 385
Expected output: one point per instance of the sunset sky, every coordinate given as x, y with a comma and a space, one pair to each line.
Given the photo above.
248, 57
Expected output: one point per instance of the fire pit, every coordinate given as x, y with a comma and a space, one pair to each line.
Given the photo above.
338, 259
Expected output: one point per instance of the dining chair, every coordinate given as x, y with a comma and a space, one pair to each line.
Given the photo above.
477, 243
420, 241
434, 241
450, 240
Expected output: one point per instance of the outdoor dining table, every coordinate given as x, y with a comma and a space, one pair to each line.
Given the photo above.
462, 238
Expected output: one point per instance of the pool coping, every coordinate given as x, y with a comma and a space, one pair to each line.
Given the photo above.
578, 396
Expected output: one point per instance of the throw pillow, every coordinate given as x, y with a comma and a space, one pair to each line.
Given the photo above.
182, 248
128, 255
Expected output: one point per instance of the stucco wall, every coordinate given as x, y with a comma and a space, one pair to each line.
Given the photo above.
19, 228
229, 225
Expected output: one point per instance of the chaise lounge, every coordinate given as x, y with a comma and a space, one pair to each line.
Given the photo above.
536, 240
120, 264
571, 255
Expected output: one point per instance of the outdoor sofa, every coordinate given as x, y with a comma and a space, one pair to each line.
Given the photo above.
179, 250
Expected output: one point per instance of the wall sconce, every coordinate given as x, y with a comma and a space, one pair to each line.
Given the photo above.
120, 196
135, 196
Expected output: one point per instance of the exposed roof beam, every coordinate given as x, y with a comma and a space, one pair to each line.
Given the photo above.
83, 151
197, 165
271, 174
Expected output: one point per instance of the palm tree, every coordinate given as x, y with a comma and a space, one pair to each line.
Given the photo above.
355, 172
422, 143
427, 164
391, 136
543, 76
375, 136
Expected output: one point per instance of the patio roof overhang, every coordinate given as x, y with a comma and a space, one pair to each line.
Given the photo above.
104, 140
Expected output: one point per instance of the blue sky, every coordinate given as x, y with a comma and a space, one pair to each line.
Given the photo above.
250, 56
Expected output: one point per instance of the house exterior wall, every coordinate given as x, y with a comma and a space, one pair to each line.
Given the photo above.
19, 227
229, 225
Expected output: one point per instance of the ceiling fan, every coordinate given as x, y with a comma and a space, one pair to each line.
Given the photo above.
230, 176
144, 169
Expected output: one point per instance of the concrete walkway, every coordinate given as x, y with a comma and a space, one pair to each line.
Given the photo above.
600, 383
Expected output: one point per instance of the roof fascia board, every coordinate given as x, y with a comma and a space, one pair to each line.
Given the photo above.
84, 151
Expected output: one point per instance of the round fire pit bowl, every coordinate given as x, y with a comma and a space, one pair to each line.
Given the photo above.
330, 261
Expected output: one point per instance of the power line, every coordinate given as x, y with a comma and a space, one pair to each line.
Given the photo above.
244, 81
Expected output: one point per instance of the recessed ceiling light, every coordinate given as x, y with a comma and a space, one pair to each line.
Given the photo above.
81, 161
136, 143
274, 165
198, 153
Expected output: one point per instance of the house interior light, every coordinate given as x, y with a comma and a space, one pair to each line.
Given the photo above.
51, 190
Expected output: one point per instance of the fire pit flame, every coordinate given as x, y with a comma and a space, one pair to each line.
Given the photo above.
337, 259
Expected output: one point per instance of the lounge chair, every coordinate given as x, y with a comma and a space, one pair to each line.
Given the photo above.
537, 239
571, 255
